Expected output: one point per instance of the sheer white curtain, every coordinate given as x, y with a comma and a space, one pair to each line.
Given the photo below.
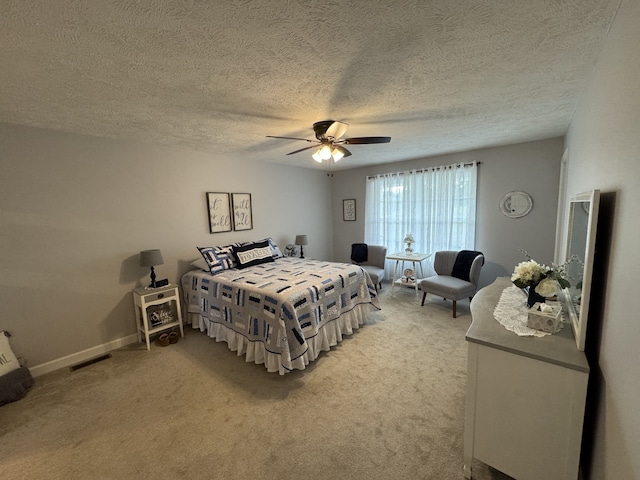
437, 205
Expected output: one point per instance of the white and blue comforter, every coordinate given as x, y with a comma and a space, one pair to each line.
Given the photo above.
283, 306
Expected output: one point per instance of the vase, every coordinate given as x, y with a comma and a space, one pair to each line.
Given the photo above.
534, 296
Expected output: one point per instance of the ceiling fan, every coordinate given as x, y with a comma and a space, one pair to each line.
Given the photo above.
329, 141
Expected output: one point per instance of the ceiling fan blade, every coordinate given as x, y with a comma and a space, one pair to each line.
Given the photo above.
291, 138
336, 130
301, 149
365, 140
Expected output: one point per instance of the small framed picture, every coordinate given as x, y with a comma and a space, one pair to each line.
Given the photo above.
242, 218
349, 210
219, 212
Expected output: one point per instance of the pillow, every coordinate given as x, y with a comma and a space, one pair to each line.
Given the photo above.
276, 252
15, 384
217, 258
8, 361
253, 254
201, 263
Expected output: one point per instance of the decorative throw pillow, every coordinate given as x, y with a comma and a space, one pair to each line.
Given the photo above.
253, 254
276, 252
8, 361
217, 258
15, 385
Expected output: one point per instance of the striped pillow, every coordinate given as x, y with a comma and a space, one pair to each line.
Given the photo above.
218, 258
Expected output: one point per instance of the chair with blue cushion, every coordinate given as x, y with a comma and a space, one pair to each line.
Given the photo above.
371, 258
457, 276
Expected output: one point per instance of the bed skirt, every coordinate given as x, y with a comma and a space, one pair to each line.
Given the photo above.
328, 336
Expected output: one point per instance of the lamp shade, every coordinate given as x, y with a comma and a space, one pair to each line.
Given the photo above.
301, 240
149, 258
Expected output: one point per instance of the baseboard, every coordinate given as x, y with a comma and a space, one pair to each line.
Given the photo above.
82, 356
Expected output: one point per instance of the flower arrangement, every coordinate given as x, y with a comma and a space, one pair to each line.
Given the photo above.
539, 276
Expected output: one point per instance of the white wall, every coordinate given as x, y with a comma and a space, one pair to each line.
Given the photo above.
533, 167
604, 153
75, 211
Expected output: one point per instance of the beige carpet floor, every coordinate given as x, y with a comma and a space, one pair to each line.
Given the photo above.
387, 403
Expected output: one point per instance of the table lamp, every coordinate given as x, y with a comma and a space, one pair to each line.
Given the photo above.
301, 240
409, 240
149, 258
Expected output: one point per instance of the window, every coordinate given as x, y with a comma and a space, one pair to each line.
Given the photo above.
437, 205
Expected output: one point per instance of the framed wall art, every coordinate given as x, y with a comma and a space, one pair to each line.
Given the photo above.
219, 209
241, 204
349, 210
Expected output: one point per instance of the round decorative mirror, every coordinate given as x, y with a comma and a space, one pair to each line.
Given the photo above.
516, 204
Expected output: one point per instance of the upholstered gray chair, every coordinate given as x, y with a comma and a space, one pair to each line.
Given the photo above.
457, 276
374, 264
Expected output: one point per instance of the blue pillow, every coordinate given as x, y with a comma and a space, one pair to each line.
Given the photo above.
218, 259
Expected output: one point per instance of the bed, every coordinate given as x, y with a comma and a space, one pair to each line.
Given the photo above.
281, 313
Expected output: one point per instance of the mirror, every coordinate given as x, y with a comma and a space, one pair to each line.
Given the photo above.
516, 204
580, 249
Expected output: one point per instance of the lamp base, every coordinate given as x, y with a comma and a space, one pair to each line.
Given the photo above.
301, 252
153, 278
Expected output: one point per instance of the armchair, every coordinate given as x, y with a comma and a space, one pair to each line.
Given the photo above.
374, 258
457, 276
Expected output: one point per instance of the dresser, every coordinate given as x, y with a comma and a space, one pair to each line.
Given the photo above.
525, 397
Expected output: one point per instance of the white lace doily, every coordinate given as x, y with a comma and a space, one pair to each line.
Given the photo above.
511, 312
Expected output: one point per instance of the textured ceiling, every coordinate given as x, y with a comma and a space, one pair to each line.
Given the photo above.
437, 76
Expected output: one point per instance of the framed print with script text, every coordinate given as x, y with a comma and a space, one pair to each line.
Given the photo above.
219, 208
349, 210
242, 218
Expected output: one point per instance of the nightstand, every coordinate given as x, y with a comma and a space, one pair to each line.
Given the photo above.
167, 314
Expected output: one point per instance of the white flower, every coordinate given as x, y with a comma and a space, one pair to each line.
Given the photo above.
547, 287
528, 273
531, 273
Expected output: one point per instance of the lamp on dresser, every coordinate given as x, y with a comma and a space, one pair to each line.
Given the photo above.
301, 240
150, 258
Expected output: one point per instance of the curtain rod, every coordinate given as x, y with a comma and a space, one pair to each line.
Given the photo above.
458, 165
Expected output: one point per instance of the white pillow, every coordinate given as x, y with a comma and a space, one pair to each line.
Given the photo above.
8, 361
201, 264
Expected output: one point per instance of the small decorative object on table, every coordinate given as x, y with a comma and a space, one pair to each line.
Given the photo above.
409, 276
545, 317
409, 240
542, 281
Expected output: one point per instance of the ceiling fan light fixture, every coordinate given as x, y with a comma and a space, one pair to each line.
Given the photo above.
337, 155
329, 142
325, 152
